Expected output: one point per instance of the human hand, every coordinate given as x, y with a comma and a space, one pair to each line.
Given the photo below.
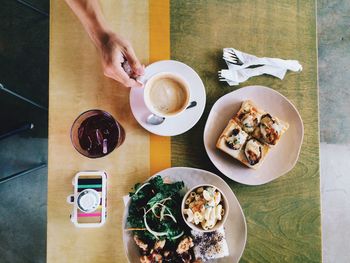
115, 52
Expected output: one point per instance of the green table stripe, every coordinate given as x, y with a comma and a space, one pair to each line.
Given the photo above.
283, 216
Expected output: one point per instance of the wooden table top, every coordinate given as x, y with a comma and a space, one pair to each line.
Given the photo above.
283, 217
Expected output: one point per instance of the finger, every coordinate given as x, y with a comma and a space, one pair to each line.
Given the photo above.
117, 73
134, 63
142, 70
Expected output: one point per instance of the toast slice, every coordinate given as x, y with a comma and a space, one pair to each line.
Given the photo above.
254, 153
234, 141
270, 129
248, 116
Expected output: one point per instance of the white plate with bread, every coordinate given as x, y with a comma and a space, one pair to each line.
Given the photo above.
253, 135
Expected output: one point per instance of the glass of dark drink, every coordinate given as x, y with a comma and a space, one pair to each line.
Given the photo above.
95, 133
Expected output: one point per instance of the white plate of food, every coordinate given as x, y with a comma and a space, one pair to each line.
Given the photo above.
181, 242
253, 135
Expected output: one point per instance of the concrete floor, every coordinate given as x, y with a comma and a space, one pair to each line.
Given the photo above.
24, 69
334, 78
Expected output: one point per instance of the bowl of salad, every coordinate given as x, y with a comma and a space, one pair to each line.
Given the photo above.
155, 221
204, 208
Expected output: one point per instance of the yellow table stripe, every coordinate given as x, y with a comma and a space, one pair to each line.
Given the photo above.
159, 26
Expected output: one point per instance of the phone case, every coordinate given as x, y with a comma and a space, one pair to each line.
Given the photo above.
89, 199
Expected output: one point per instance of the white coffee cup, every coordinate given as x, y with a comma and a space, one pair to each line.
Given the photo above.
166, 94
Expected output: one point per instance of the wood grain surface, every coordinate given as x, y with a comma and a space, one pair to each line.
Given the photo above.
76, 85
283, 217
159, 49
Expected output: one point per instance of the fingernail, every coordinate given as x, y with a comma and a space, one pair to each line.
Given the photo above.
138, 81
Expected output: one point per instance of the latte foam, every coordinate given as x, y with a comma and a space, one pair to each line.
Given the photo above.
168, 95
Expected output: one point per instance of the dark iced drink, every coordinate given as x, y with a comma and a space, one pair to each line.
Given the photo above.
96, 133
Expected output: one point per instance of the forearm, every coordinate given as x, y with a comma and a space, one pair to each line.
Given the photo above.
90, 15
114, 49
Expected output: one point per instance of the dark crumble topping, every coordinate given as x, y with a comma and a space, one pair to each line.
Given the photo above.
269, 116
251, 156
241, 116
233, 142
235, 132
271, 135
209, 241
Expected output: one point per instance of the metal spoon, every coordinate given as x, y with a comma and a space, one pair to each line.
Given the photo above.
156, 120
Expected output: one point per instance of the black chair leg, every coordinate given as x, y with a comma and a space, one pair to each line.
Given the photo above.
24, 127
2, 87
29, 5
16, 175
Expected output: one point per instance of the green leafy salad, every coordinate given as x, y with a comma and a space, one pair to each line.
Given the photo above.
155, 211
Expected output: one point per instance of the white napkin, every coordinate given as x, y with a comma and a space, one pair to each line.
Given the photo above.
126, 199
239, 70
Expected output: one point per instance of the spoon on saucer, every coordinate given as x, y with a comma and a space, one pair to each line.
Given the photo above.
156, 120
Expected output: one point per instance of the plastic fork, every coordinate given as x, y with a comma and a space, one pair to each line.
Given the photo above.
221, 78
230, 56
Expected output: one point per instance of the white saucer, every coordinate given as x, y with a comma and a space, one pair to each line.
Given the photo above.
178, 124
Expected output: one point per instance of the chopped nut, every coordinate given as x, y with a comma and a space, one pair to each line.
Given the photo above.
140, 244
159, 244
157, 258
184, 245
145, 259
166, 254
